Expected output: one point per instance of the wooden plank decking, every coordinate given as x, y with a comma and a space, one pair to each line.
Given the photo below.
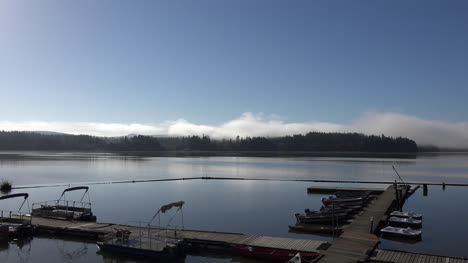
358, 239
332, 190
221, 239
394, 256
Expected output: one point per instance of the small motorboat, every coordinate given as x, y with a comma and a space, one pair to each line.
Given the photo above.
15, 224
354, 208
271, 254
66, 209
328, 212
401, 232
406, 215
336, 200
321, 219
405, 222
148, 243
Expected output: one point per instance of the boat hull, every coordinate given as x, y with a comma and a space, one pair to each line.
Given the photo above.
398, 232
141, 253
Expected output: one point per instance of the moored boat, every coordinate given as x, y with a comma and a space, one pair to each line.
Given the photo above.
321, 219
405, 222
271, 254
330, 212
406, 215
401, 232
15, 224
335, 200
147, 243
66, 209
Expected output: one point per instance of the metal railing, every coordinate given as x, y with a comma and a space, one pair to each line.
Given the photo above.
148, 238
14, 217
64, 205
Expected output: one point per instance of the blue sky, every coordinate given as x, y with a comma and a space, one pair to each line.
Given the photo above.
209, 62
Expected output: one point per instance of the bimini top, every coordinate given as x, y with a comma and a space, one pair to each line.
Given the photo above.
167, 207
74, 189
25, 195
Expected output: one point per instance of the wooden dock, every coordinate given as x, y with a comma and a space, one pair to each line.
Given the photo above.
332, 190
395, 256
358, 239
357, 243
202, 238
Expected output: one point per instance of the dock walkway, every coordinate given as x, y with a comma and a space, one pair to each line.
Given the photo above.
332, 190
203, 238
395, 256
358, 239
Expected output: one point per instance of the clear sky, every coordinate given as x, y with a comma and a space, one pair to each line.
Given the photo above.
211, 61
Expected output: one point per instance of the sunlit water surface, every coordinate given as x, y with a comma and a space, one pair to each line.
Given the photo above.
246, 206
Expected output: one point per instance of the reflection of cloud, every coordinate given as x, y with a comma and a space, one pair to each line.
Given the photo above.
448, 134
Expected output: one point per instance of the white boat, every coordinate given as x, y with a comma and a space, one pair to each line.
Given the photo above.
401, 232
406, 214
404, 222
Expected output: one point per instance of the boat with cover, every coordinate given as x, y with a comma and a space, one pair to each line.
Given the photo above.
271, 254
331, 212
15, 224
321, 219
401, 232
406, 215
405, 222
66, 209
336, 200
148, 242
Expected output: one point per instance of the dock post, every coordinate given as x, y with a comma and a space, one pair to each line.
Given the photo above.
443, 186
424, 189
397, 195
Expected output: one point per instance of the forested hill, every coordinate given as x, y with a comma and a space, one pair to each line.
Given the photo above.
310, 142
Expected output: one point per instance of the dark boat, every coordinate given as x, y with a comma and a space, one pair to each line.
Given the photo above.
15, 224
350, 194
66, 209
405, 222
335, 200
353, 207
330, 212
320, 229
147, 243
270, 254
320, 219
406, 215
156, 249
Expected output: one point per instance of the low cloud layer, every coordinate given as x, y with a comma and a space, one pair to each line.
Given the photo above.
424, 132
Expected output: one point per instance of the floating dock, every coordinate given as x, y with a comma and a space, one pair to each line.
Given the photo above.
358, 239
201, 238
332, 190
395, 256
357, 243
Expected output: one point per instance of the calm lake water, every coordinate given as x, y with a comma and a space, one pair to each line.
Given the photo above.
252, 207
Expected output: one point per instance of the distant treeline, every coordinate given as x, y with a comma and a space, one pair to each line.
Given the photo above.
310, 142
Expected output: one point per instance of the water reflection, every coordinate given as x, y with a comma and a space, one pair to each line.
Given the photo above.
252, 207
